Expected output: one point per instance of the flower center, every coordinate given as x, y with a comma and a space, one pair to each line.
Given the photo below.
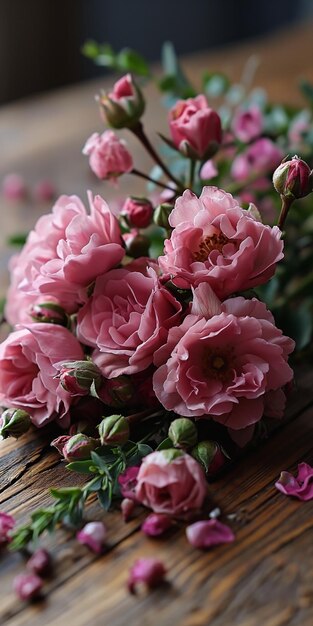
206, 245
218, 364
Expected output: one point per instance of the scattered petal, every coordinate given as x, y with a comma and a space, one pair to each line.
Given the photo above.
300, 487
39, 562
93, 535
7, 522
209, 533
27, 586
149, 571
127, 507
156, 524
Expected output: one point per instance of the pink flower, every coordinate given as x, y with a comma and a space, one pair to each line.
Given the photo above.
300, 487
108, 155
293, 179
222, 367
65, 252
151, 572
28, 359
93, 535
126, 319
7, 523
139, 212
27, 586
216, 241
247, 124
124, 106
171, 482
208, 533
299, 126
208, 170
156, 524
195, 128
262, 157
44, 191
128, 481
14, 187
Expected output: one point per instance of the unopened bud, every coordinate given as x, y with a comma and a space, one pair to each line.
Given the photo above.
48, 312
114, 430
78, 447
137, 245
183, 433
293, 179
14, 423
124, 106
138, 212
161, 215
117, 391
77, 377
40, 562
210, 455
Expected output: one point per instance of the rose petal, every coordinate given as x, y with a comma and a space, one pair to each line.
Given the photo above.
208, 533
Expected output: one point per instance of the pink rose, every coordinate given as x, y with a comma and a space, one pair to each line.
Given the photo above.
223, 366
262, 157
28, 370
124, 105
247, 124
171, 482
126, 319
195, 128
65, 252
108, 155
216, 241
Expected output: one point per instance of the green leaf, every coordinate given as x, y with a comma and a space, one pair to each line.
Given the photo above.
18, 239
82, 467
66, 493
105, 497
130, 61
215, 84
144, 449
165, 444
174, 80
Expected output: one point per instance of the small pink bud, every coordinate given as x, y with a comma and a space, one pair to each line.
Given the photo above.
137, 244
114, 430
93, 535
7, 523
293, 179
78, 447
208, 533
156, 524
124, 105
60, 442
127, 507
27, 586
77, 377
118, 391
149, 571
108, 155
211, 456
13, 187
40, 562
44, 191
48, 312
138, 211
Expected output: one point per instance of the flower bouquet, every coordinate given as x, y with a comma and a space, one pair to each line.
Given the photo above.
144, 333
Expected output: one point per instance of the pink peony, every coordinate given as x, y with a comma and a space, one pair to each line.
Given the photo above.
195, 128
126, 320
108, 155
171, 482
222, 367
28, 359
262, 157
65, 252
216, 241
247, 124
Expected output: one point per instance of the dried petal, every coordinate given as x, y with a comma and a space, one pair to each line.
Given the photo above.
156, 524
93, 535
301, 486
209, 533
149, 571
27, 586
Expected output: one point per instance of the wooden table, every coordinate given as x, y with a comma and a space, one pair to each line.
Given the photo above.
265, 576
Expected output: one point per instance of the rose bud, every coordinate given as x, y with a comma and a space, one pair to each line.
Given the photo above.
49, 312
78, 447
156, 524
77, 377
117, 391
93, 535
108, 155
60, 442
40, 562
138, 212
44, 191
293, 179
161, 215
137, 245
195, 128
183, 433
151, 572
14, 187
208, 533
127, 507
27, 586
211, 456
114, 430
124, 106
14, 423
7, 523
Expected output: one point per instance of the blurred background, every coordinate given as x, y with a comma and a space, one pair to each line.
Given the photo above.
40, 40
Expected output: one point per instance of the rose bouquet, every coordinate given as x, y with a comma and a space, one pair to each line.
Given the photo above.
141, 333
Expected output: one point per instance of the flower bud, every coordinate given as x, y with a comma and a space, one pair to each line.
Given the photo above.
49, 312
78, 447
138, 212
124, 106
137, 245
40, 562
195, 128
14, 187
162, 213
77, 377
127, 507
150, 571
117, 391
7, 523
114, 430
293, 179
93, 535
156, 524
210, 455
183, 433
27, 586
14, 423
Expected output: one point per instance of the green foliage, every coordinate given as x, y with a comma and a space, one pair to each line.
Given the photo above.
126, 60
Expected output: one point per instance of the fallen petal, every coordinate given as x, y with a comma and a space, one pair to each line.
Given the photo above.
209, 533
301, 486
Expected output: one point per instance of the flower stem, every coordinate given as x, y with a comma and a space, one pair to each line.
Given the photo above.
285, 206
151, 180
191, 173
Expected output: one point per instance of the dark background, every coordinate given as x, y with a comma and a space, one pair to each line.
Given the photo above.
40, 40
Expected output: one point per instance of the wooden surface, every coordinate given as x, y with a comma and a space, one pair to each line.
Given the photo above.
265, 576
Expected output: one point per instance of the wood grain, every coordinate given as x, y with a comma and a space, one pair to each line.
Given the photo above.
265, 577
